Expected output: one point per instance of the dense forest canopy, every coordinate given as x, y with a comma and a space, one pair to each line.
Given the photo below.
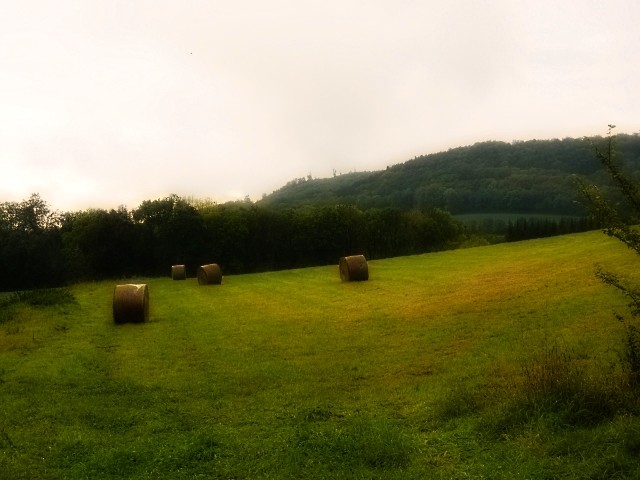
535, 176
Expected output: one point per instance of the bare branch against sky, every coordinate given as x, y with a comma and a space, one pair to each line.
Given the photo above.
110, 102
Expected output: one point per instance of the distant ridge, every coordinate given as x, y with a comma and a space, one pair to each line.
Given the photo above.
534, 176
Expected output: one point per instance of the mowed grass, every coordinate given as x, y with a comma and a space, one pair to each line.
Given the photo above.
424, 371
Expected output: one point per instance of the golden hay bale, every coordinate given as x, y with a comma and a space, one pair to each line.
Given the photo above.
130, 303
209, 274
179, 272
354, 268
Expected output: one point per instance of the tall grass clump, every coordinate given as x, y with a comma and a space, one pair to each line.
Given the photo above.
358, 442
557, 388
43, 297
6, 311
555, 381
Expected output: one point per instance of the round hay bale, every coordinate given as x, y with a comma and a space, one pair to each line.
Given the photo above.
130, 303
354, 268
209, 274
179, 272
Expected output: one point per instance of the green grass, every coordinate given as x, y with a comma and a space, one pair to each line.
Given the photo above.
491, 362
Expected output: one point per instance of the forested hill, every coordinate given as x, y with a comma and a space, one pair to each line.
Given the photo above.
536, 176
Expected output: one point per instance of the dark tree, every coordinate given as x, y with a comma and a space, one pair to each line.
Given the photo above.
30, 245
101, 244
172, 232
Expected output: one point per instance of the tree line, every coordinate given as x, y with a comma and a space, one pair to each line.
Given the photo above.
524, 177
40, 247
528, 228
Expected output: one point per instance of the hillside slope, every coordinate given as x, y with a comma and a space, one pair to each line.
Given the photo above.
420, 372
535, 176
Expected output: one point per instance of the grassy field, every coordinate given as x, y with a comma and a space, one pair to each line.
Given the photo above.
490, 362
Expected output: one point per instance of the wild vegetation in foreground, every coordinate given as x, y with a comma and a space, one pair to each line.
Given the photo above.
501, 361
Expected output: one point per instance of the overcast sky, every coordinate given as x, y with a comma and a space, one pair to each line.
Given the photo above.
109, 103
